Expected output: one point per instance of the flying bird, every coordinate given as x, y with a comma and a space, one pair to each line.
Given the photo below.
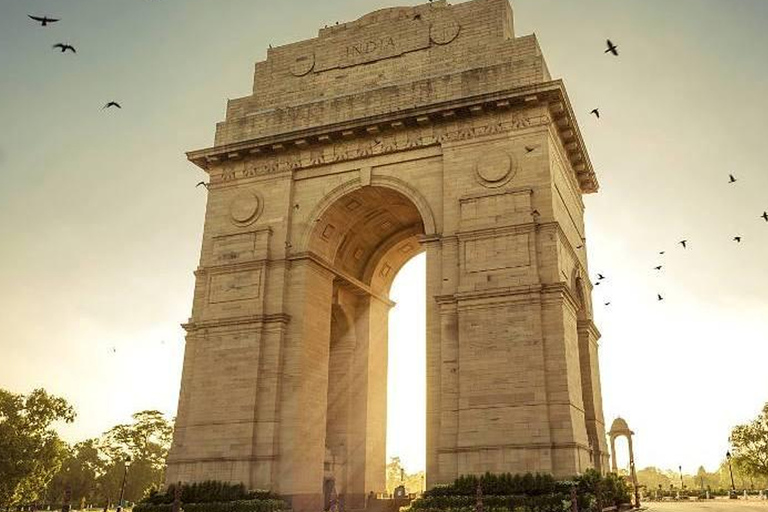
737, 239
596, 112
65, 47
111, 104
684, 243
659, 297
203, 184
764, 216
600, 277
657, 268
661, 252
43, 20
530, 149
731, 179
612, 48
607, 303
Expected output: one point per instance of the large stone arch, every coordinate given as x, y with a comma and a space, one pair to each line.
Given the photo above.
475, 159
353, 184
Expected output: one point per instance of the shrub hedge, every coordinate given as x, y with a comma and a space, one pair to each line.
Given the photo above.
258, 505
208, 492
525, 493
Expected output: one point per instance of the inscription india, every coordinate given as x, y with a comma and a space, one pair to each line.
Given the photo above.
375, 46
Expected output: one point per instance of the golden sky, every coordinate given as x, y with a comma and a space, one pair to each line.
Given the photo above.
100, 220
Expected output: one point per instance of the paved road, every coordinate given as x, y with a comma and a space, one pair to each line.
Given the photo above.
709, 506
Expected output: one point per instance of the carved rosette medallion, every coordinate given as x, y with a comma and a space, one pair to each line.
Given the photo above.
244, 208
303, 64
495, 168
444, 29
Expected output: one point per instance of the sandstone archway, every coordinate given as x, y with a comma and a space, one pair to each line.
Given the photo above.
348, 159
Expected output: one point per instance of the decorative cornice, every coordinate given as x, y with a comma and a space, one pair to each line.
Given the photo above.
278, 318
353, 282
550, 94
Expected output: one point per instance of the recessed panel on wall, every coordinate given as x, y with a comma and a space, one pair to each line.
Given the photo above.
497, 252
235, 286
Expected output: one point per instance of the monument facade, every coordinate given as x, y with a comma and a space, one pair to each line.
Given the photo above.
417, 129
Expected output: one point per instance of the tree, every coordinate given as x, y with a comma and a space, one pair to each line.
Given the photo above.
30, 450
396, 476
652, 477
144, 443
750, 445
79, 472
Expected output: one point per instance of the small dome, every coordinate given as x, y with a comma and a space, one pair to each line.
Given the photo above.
619, 426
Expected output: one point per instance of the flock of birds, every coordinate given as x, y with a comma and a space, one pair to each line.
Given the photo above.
45, 21
613, 49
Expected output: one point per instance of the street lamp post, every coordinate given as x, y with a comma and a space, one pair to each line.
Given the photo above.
122, 486
730, 469
682, 485
634, 483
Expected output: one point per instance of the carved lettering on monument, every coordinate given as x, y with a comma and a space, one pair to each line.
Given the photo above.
363, 48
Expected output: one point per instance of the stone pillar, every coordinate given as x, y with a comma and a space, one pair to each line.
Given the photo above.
591, 391
304, 386
614, 464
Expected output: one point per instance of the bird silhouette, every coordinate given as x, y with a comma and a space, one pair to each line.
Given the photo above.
731, 179
764, 216
658, 295
612, 48
657, 268
111, 104
600, 277
596, 112
65, 47
203, 184
530, 149
579, 246
43, 20
607, 303
684, 243
737, 239
662, 252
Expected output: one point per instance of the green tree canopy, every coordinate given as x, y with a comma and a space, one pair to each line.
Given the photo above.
143, 445
30, 450
750, 445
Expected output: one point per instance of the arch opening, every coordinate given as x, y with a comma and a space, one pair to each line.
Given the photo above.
363, 238
407, 374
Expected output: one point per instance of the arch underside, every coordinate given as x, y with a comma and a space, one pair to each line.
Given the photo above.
364, 237
368, 235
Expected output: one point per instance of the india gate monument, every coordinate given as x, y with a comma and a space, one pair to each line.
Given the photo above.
433, 129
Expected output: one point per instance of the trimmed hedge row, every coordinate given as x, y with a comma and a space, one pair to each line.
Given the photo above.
558, 502
209, 491
268, 505
504, 484
525, 493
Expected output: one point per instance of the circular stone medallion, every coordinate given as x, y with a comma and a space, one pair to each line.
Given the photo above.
495, 168
244, 208
444, 29
303, 64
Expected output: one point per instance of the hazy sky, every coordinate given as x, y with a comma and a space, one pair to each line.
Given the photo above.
100, 221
